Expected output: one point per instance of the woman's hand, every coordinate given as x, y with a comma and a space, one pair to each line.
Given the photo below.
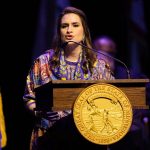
50, 115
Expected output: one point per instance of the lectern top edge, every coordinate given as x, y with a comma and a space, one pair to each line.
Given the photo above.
100, 81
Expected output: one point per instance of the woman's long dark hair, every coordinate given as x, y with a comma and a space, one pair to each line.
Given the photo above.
89, 56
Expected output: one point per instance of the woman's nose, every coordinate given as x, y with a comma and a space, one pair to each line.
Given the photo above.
69, 29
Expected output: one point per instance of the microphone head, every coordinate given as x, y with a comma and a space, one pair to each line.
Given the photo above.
64, 44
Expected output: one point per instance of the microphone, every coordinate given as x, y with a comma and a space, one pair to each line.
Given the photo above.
64, 44
127, 70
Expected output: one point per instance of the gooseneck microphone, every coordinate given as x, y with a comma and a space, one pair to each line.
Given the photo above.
121, 62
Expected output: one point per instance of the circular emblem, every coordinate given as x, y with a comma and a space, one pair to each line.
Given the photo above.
102, 113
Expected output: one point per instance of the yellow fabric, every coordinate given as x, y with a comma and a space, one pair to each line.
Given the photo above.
2, 124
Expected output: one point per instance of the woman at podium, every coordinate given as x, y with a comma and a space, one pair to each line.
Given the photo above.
71, 58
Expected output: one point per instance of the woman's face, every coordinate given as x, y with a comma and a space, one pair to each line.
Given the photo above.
71, 28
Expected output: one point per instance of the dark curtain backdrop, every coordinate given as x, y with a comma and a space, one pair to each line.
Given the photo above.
27, 30
128, 23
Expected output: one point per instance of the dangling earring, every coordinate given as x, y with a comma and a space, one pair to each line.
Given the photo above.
83, 39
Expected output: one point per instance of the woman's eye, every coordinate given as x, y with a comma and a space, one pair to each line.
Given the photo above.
63, 26
66, 25
75, 25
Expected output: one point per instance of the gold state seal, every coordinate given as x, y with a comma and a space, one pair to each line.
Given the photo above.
102, 113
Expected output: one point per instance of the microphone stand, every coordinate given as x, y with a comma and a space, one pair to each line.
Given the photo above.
127, 70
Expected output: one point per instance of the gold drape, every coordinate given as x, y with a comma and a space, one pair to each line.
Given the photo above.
2, 124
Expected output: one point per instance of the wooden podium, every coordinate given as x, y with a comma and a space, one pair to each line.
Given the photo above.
60, 94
